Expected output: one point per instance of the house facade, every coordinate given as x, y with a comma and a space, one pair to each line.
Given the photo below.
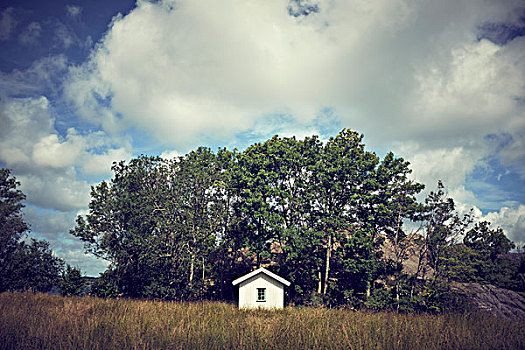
261, 289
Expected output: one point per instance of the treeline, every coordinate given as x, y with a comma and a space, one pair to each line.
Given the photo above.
28, 264
317, 213
331, 217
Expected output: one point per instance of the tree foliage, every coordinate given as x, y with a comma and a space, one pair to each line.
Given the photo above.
25, 264
318, 213
71, 281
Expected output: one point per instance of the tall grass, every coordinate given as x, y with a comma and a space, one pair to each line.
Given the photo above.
40, 321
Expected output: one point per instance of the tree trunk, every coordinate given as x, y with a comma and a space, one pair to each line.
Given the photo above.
203, 269
397, 295
327, 270
320, 282
191, 269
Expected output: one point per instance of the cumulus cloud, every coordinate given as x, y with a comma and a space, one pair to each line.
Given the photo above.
392, 69
25, 121
48, 164
50, 152
45, 164
512, 221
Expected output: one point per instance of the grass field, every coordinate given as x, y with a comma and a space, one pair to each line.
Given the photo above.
40, 321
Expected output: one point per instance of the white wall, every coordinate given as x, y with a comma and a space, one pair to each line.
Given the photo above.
248, 292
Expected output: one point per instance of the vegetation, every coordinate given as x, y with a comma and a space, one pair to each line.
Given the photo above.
318, 213
39, 321
24, 265
71, 281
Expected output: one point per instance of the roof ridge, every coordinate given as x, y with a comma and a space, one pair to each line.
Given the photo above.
258, 271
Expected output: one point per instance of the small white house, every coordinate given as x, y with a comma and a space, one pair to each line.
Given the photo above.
261, 289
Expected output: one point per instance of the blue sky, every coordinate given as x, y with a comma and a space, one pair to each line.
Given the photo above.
85, 83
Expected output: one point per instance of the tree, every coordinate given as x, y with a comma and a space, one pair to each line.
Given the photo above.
24, 264
12, 226
481, 237
341, 179
272, 184
197, 210
442, 225
71, 281
156, 223
123, 226
317, 212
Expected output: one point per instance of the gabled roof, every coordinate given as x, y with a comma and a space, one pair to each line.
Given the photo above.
258, 271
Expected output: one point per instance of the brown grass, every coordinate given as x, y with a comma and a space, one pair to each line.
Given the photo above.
40, 321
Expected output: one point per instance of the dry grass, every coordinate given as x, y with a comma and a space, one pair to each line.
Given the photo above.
39, 321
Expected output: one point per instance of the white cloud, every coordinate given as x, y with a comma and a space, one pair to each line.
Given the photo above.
50, 152
56, 190
49, 166
44, 164
476, 91
512, 221
449, 164
100, 164
22, 119
189, 70
170, 154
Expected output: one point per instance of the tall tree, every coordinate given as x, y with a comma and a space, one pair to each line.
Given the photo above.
12, 226
198, 209
340, 178
122, 225
24, 265
442, 227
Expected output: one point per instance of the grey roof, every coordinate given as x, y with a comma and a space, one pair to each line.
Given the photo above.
258, 271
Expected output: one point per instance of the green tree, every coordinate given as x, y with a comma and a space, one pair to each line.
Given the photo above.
34, 267
197, 209
123, 225
24, 264
156, 223
71, 281
341, 178
482, 238
273, 183
442, 227
12, 226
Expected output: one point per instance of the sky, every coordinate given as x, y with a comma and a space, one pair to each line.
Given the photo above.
86, 83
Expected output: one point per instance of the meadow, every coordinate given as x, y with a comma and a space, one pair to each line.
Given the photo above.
41, 321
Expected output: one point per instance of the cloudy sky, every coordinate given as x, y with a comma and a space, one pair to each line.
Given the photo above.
84, 83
